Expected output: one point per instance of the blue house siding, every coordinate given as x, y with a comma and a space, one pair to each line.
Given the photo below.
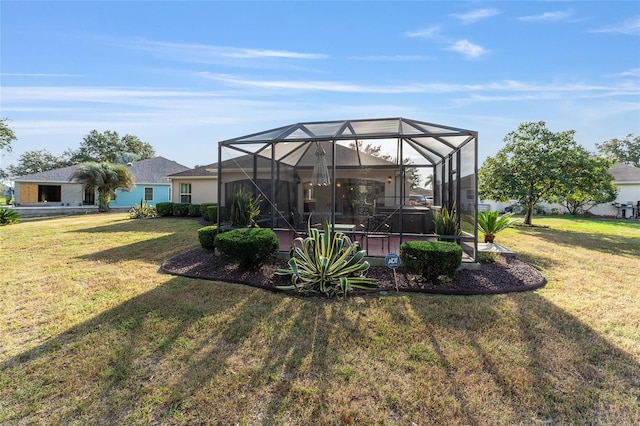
128, 199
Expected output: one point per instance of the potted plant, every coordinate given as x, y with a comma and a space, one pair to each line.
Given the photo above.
491, 222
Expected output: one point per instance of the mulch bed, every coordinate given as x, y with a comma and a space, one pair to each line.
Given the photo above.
507, 274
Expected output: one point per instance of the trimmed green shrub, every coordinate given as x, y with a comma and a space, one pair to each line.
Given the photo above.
181, 209
8, 216
194, 210
205, 212
431, 259
207, 236
251, 247
212, 211
164, 209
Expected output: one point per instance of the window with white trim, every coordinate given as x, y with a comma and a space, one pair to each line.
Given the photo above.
148, 194
185, 193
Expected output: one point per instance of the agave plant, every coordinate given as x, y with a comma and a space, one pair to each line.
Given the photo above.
491, 222
8, 216
328, 264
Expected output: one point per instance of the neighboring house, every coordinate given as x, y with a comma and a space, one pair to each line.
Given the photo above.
200, 184
57, 187
151, 180
626, 205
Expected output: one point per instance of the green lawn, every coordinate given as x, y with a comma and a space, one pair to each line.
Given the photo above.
92, 333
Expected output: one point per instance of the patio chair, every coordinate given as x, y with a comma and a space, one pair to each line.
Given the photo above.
299, 224
376, 228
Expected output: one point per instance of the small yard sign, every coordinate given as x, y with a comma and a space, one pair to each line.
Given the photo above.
392, 261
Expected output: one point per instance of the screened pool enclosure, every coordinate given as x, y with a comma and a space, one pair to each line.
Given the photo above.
333, 171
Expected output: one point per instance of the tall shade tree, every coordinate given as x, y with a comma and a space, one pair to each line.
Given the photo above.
38, 161
6, 138
106, 178
109, 146
535, 164
625, 150
592, 184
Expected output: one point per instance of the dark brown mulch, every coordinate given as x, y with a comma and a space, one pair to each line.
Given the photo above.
507, 274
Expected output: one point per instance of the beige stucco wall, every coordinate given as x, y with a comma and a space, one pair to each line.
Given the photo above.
202, 190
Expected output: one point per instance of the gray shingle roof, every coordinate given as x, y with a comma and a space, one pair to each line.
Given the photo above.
345, 157
151, 170
625, 173
201, 171
155, 170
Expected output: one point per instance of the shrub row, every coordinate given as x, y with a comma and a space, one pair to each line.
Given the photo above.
431, 259
207, 211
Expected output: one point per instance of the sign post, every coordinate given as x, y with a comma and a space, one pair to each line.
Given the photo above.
392, 260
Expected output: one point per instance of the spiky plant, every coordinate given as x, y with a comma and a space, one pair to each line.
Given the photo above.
491, 222
446, 223
330, 264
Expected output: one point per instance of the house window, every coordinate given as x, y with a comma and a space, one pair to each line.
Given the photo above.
185, 193
49, 193
148, 194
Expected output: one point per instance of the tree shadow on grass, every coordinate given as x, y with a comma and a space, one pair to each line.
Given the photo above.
186, 349
160, 224
534, 359
153, 250
616, 245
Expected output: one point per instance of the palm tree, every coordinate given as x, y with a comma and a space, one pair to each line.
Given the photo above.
106, 178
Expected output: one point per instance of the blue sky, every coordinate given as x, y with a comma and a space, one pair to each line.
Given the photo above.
184, 75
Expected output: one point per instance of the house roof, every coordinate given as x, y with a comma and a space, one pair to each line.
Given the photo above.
155, 170
625, 173
62, 175
151, 170
304, 156
201, 171
345, 158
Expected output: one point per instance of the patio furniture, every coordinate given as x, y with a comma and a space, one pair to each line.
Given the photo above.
376, 228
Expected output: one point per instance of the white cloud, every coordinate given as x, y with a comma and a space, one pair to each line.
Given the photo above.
634, 73
475, 15
467, 48
210, 54
630, 27
424, 33
548, 16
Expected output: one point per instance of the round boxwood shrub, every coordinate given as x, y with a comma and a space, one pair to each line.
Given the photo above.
250, 247
212, 211
204, 211
164, 209
431, 259
207, 236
